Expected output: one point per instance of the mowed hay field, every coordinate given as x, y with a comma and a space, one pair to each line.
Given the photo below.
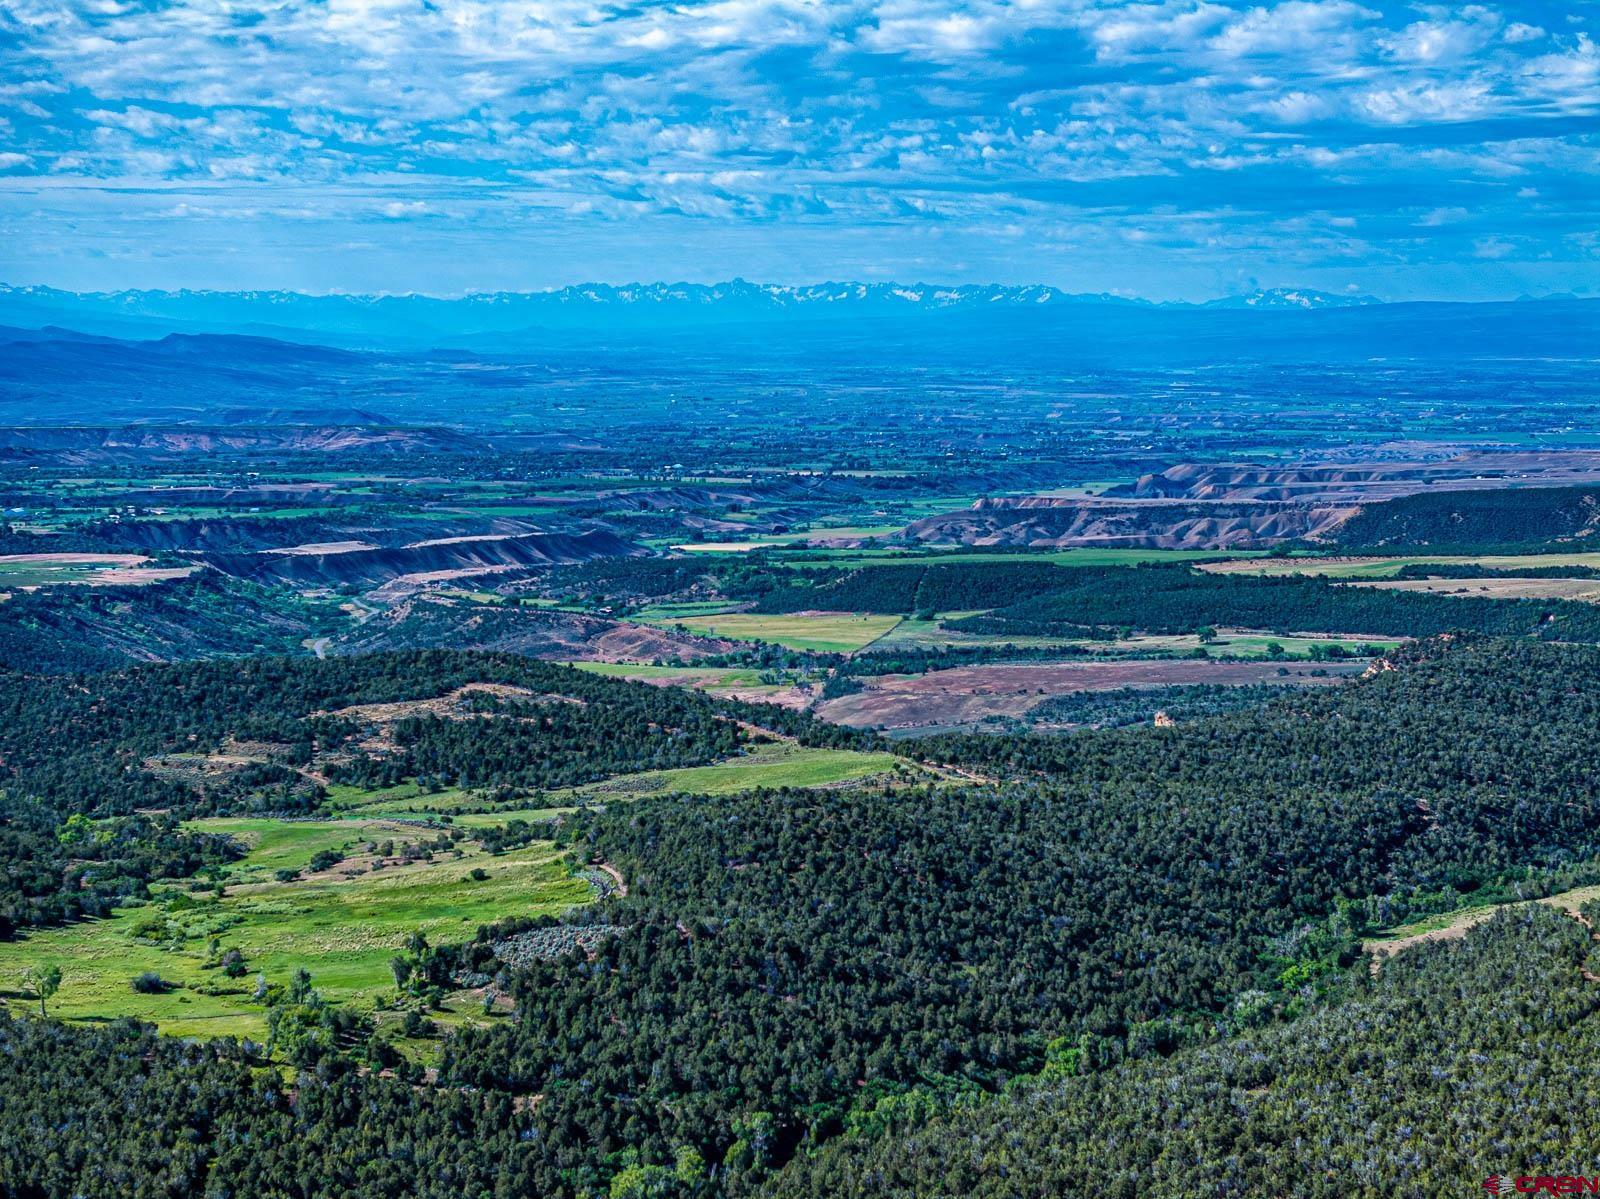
944, 556
780, 764
1378, 568
768, 766
822, 632
1587, 590
342, 930
730, 682
912, 633
46, 570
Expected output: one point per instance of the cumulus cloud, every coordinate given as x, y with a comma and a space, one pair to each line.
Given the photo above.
1249, 122
1442, 41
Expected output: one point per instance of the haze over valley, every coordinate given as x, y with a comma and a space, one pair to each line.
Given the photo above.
761, 600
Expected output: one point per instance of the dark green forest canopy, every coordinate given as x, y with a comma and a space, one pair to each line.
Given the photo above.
789, 959
1036, 598
1176, 599
819, 942
83, 744
900, 589
122, 716
72, 628
1515, 518
1461, 1060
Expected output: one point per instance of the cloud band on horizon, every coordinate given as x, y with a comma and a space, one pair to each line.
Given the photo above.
1165, 149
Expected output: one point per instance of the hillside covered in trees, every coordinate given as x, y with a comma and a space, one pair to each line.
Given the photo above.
1459, 1061
796, 979
1176, 599
1514, 518
1026, 599
71, 751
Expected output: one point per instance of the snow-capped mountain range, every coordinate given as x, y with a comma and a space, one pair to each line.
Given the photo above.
472, 321
735, 292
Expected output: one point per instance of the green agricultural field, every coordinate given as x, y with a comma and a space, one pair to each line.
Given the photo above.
278, 845
744, 681
718, 676
824, 632
770, 540
656, 613
513, 510
410, 802
1236, 643
1231, 643
285, 845
291, 844
890, 556
1379, 568
782, 764
490, 819
212, 512
344, 931
401, 800
45, 570
28, 574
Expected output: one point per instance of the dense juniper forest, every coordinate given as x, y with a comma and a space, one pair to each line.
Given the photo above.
1514, 518
1130, 954
75, 747
1029, 599
100, 628
1459, 1061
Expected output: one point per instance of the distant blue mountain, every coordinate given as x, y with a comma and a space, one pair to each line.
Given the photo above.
481, 320
1299, 298
575, 359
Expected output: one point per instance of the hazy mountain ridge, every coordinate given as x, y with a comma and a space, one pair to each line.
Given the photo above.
430, 320
471, 362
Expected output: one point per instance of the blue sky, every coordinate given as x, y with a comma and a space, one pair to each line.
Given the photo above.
1174, 150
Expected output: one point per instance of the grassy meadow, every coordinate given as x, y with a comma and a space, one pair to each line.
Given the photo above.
779, 764
342, 930
822, 632
1382, 568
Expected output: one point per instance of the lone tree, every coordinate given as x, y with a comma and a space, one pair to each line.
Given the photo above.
45, 981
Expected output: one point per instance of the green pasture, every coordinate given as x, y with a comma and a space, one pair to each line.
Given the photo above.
823, 632
896, 555
403, 799
44, 574
781, 764
1380, 568
656, 613
1230, 643
344, 931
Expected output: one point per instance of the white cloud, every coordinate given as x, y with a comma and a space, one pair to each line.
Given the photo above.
1327, 28
1424, 102
1571, 78
1297, 108
1441, 41
909, 113
141, 121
